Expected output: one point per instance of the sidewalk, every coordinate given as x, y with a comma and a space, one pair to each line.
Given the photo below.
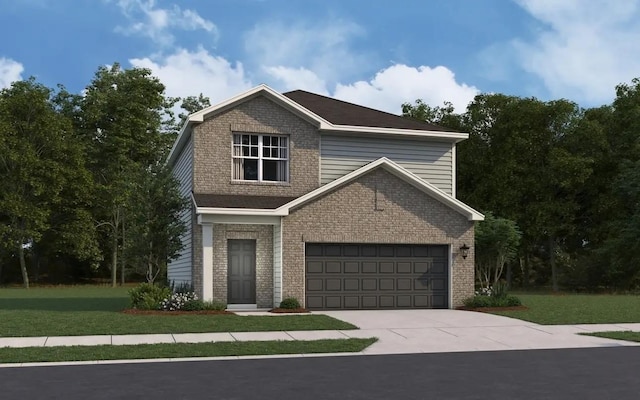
95, 340
520, 336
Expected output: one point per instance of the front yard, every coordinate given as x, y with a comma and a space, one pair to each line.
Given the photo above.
560, 309
91, 310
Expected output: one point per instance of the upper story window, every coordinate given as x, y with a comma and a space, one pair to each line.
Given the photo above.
261, 158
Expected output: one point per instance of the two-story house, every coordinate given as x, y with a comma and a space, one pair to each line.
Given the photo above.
335, 204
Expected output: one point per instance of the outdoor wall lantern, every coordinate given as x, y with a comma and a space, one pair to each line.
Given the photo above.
464, 251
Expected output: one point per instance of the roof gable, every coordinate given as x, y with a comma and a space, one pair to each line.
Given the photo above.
367, 121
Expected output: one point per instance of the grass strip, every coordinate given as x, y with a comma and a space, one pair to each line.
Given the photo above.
179, 350
43, 323
619, 335
562, 309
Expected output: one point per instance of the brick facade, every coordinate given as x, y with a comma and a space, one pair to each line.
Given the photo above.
212, 150
402, 215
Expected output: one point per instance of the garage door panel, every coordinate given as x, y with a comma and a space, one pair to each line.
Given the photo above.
404, 301
351, 267
315, 284
387, 267
369, 301
369, 267
351, 302
333, 267
352, 285
420, 267
333, 301
438, 284
315, 267
403, 267
333, 285
374, 276
370, 284
404, 284
387, 284
387, 302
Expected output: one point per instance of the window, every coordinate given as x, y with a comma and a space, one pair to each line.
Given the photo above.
262, 158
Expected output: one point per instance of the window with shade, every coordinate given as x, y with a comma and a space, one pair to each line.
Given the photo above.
260, 158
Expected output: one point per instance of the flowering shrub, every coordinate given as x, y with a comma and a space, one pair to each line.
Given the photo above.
177, 301
484, 291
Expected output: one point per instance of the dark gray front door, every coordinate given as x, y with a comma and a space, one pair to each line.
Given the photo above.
376, 276
241, 283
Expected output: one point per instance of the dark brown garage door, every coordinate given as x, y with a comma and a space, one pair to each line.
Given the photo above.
375, 276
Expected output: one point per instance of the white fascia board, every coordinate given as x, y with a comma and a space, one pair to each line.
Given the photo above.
239, 219
400, 172
450, 136
240, 211
183, 136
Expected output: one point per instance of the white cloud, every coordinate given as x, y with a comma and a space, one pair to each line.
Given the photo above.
298, 78
157, 24
400, 83
584, 48
10, 71
189, 73
323, 48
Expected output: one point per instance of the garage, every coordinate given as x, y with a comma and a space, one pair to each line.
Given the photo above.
376, 276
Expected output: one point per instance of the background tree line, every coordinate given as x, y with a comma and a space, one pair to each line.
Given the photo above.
569, 178
84, 190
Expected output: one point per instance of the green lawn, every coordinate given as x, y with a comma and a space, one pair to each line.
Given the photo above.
179, 350
550, 309
94, 310
622, 335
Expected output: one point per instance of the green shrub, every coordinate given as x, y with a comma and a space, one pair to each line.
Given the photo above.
147, 296
290, 303
193, 305
480, 301
214, 305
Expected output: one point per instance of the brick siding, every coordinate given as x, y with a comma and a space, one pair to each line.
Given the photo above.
403, 215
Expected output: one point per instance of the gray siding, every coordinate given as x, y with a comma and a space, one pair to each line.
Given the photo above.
179, 270
430, 160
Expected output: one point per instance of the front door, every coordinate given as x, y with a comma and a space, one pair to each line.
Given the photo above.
241, 284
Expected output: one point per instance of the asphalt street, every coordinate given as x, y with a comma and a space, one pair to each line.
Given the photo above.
599, 373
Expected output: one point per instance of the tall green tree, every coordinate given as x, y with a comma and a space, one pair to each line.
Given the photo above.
122, 117
496, 242
40, 159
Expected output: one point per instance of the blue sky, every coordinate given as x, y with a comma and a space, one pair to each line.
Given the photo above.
372, 52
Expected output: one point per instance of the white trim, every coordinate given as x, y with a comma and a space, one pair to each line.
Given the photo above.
315, 119
239, 219
207, 262
450, 276
277, 267
400, 172
240, 211
453, 172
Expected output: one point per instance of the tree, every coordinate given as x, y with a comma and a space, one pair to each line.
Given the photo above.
39, 159
437, 115
157, 229
122, 117
496, 241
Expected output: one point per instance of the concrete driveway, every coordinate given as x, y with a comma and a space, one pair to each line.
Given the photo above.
433, 331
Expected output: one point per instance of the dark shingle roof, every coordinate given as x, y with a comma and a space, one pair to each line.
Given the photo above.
340, 112
239, 201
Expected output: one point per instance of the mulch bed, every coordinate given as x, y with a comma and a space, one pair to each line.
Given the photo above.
489, 309
289, 310
160, 312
